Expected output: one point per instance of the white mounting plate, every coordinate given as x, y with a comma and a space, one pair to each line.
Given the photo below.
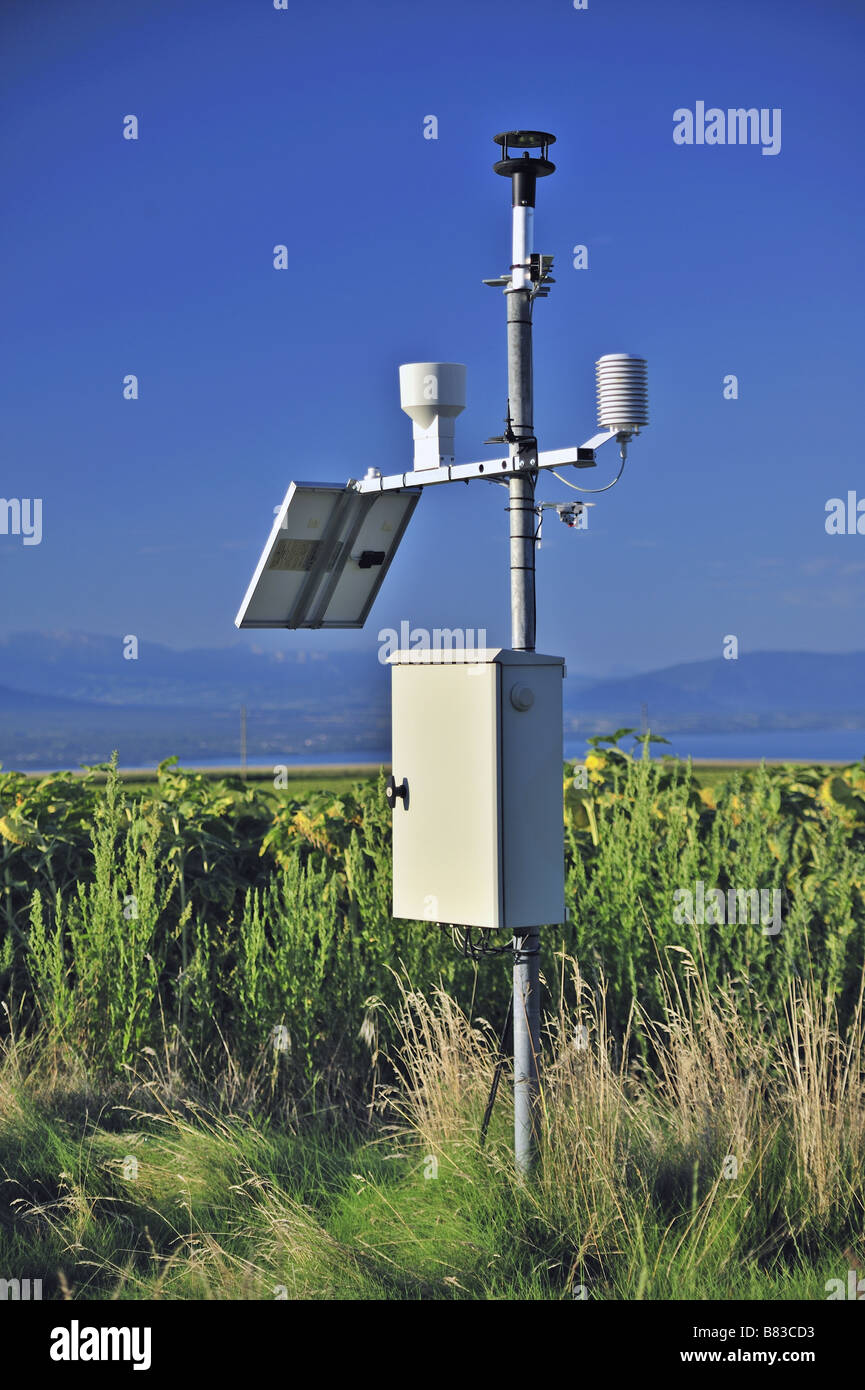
328, 551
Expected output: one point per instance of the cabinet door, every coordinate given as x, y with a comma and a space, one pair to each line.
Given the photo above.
446, 837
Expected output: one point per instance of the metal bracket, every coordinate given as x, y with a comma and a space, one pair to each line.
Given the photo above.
581, 456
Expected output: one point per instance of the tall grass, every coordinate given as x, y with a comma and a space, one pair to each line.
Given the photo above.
206, 979
732, 1170
95, 969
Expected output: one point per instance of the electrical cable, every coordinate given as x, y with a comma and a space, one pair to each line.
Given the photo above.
467, 946
577, 488
497, 1074
465, 943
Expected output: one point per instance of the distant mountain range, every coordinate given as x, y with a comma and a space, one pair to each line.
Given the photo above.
770, 690
68, 698
80, 666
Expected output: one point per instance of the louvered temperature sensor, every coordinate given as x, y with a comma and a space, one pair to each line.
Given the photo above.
623, 392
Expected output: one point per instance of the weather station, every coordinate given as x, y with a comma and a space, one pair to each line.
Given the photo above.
477, 735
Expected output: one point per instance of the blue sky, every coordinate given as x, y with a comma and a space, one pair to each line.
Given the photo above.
305, 127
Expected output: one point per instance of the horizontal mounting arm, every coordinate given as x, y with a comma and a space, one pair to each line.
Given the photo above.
582, 456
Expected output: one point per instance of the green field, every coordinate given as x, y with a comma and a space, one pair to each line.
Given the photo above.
227, 1071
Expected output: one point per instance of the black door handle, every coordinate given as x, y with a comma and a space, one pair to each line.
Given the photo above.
392, 791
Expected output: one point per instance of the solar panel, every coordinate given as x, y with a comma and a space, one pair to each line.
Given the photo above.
328, 552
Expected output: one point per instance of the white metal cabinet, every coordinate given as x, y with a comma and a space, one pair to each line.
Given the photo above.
478, 834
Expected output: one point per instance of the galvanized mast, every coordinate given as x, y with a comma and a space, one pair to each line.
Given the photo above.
523, 172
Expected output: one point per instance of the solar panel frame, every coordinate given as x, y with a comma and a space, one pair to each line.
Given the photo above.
332, 590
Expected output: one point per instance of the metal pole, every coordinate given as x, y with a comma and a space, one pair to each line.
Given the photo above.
521, 486
523, 523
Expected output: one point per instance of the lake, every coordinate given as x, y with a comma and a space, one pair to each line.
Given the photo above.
776, 745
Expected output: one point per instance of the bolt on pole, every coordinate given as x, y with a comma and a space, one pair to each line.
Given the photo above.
523, 173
